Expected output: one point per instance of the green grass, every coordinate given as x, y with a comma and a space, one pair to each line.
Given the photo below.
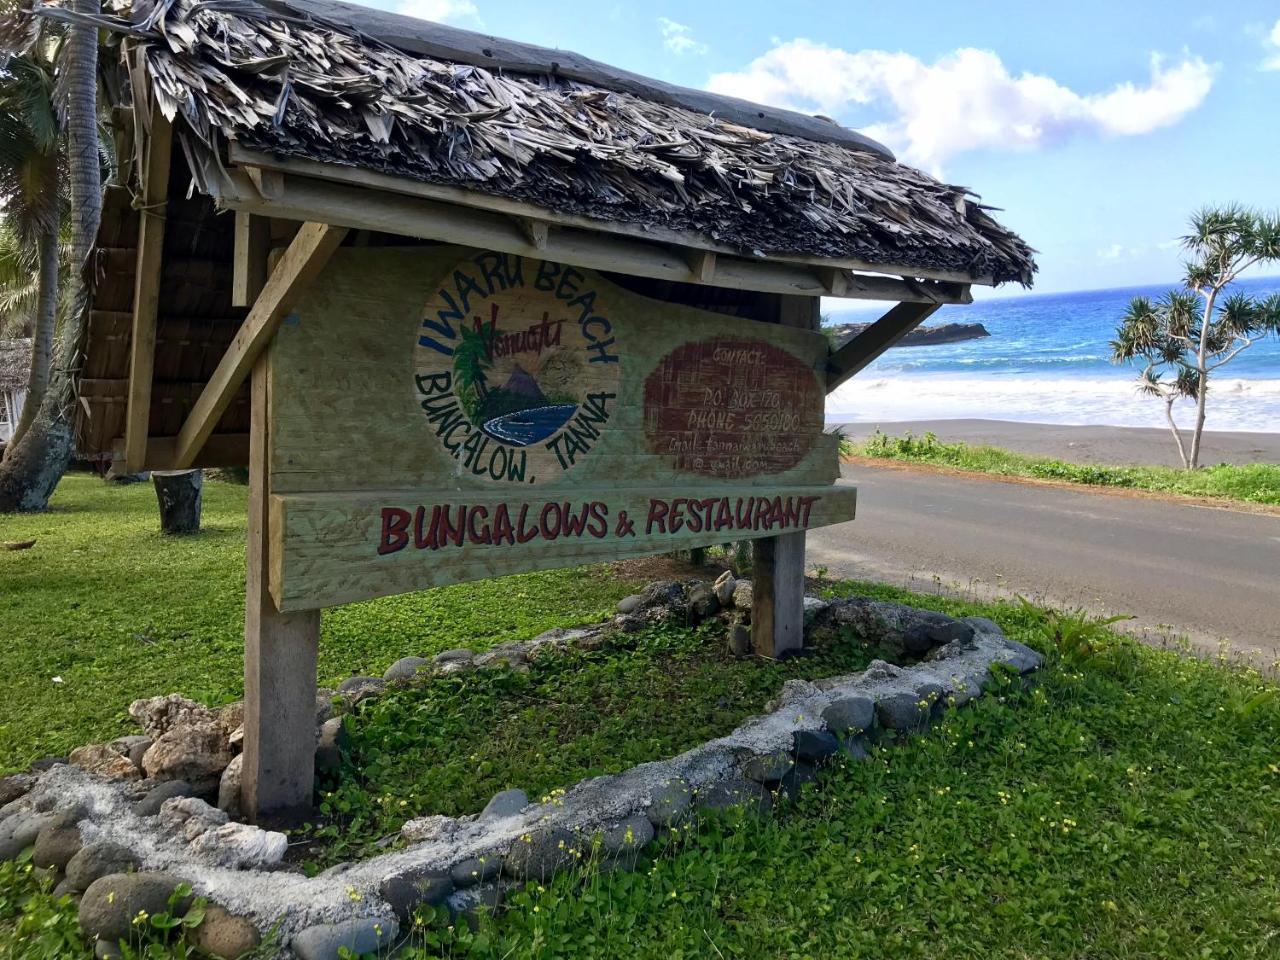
1125, 807
118, 611
1251, 483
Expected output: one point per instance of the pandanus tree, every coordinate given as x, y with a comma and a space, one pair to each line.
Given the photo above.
1185, 336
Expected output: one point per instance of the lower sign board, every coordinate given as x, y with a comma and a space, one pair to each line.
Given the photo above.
441, 414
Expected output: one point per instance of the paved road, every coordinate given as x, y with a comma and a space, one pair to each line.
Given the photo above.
1208, 573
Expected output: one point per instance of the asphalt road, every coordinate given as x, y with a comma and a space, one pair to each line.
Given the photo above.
1204, 573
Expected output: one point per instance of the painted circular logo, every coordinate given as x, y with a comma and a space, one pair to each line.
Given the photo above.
516, 367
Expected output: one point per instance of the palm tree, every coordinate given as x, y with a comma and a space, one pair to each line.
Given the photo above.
31, 186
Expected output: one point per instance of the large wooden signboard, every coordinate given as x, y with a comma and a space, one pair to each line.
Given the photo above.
443, 414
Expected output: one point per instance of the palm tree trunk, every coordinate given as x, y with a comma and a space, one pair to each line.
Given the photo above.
42, 337
31, 469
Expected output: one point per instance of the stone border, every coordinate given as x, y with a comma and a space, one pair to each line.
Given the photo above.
70, 813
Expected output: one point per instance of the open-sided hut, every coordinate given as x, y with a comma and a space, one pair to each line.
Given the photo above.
15, 369
467, 307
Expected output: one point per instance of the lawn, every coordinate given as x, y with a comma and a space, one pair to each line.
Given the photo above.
1125, 807
1251, 483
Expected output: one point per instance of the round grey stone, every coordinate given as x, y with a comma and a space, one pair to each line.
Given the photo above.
669, 802
983, 625
901, 711
473, 870
55, 846
326, 941
815, 746
630, 604
799, 775
20, 831
855, 748
739, 639
111, 902
733, 794
106, 950
405, 894
539, 855
454, 656
632, 834
15, 786
505, 804
360, 687
850, 715
1021, 657
150, 805
724, 587
96, 860
769, 767
406, 668
933, 694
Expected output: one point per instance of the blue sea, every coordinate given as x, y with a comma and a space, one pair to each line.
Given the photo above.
1048, 361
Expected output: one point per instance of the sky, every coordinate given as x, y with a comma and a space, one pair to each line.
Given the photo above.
1096, 127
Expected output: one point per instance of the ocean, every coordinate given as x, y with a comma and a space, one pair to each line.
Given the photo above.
1048, 361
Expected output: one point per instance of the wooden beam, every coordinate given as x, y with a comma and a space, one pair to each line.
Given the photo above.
146, 290
280, 656
314, 200
389, 183
268, 183
835, 280
534, 230
702, 263
301, 263
249, 267
875, 340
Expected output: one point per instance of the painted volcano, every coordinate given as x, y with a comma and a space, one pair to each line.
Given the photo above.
519, 412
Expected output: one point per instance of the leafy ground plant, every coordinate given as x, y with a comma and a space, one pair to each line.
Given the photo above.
1251, 483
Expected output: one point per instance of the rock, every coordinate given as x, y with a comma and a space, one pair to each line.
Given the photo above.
631, 835
796, 778
855, 748
407, 893
133, 747
47, 763
20, 831
739, 639
663, 593
190, 752
191, 816
969, 687
15, 786
702, 602
1021, 657
901, 711
422, 829
106, 950
333, 740
231, 717
815, 746
64, 889
669, 802
159, 715
953, 631
454, 656
224, 935
934, 695
406, 668
95, 860
56, 845
742, 595
540, 854
111, 903
451, 667
723, 588
504, 655
505, 804
241, 846
813, 606
733, 794
769, 767
361, 936
480, 901
630, 604
850, 715
356, 689
983, 625
473, 870
229, 788
629, 623
324, 704
105, 761
150, 805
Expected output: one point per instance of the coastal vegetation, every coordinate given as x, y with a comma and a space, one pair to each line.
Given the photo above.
1184, 337
1124, 806
1249, 483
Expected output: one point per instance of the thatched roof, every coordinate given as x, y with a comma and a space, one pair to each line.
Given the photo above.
15, 363
306, 79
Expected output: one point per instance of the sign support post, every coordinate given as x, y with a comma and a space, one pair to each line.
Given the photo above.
280, 655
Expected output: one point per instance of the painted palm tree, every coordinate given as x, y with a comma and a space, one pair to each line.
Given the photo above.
471, 365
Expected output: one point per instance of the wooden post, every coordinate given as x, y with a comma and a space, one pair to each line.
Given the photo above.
777, 563
280, 651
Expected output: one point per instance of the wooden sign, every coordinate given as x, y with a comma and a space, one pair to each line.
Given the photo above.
492, 414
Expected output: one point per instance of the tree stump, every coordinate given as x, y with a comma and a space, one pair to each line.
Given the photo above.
178, 493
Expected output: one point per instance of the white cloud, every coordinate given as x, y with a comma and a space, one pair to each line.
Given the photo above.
677, 38
966, 100
1272, 43
441, 11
